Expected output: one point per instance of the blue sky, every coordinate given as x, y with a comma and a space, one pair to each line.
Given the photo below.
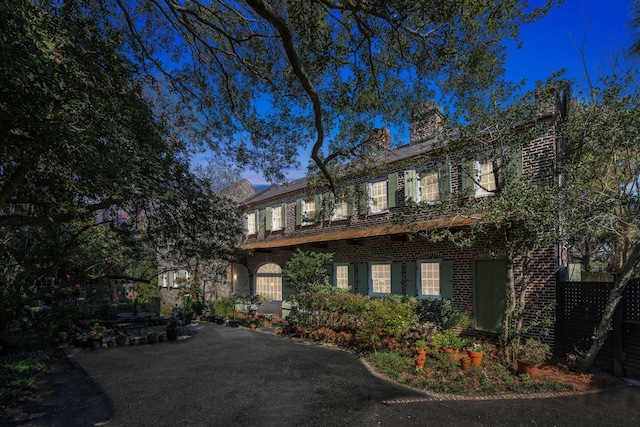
600, 27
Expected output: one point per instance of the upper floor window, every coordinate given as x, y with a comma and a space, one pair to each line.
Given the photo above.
309, 210
275, 217
378, 196
380, 278
429, 186
252, 223
341, 208
485, 178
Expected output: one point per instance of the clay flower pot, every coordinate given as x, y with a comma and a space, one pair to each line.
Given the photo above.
465, 363
530, 369
476, 357
420, 363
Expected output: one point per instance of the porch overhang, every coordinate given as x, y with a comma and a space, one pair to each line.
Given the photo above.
389, 230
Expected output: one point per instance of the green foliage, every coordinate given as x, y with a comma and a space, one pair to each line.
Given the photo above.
223, 307
18, 372
532, 351
449, 339
440, 312
307, 271
385, 317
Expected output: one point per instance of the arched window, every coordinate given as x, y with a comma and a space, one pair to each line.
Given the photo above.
269, 281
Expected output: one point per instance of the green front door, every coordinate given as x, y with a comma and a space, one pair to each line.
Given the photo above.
489, 293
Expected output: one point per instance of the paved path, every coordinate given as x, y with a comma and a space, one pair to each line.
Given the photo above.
237, 377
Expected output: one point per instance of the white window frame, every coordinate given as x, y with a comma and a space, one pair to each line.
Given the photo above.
339, 202
421, 197
477, 168
419, 264
276, 219
253, 221
275, 275
372, 209
372, 278
336, 277
305, 212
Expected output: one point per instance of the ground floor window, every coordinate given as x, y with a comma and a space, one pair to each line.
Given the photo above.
269, 281
429, 276
380, 278
342, 276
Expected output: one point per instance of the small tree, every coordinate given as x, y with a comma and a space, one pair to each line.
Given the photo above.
306, 271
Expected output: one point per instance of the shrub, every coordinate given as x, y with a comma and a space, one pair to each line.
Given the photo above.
439, 311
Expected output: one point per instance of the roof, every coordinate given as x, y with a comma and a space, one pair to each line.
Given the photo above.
385, 156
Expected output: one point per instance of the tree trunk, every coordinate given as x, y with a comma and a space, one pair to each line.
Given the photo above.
112, 286
615, 296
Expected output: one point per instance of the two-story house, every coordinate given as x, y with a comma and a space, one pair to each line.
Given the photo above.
374, 253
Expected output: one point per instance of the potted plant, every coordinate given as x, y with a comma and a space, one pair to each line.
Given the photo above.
152, 337
121, 339
255, 322
421, 349
530, 355
96, 333
475, 353
172, 328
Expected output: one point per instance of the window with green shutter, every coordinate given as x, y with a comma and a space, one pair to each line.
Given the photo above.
410, 187
267, 221
392, 190
434, 278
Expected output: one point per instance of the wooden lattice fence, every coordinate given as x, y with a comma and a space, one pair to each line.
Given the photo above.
580, 306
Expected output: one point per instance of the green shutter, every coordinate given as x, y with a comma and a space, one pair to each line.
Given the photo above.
241, 282
330, 273
410, 186
351, 278
283, 216
410, 274
392, 190
444, 179
267, 220
446, 279
170, 279
363, 282
350, 198
245, 222
515, 163
363, 203
396, 278
468, 177
298, 212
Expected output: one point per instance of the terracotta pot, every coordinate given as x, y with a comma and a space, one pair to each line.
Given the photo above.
253, 326
132, 341
476, 357
162, 337
111, 344
121, 342
465, 363
152, 338
530, 369
422, 354
142, 340
420, 363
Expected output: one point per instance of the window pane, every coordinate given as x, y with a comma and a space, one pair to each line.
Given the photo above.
341, 208
342, 276
430, 278
429, 186
276, 218
309, 211
487, 178
251, 223
269, 281
381, 278
379, 196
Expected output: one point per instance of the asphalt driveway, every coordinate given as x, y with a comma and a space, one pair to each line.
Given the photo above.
225, 376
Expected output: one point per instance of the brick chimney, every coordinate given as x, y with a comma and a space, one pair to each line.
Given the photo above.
426, 122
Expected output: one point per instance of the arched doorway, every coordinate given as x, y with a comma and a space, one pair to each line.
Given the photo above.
269, 281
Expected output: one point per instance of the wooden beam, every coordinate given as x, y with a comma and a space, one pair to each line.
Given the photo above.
361, 233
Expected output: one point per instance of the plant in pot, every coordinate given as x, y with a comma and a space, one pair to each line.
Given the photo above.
152, 337
96, 332
476, 352
421, 349
121, 339
530, 355
172, 328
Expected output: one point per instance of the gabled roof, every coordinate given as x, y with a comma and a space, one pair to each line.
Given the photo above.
385, 156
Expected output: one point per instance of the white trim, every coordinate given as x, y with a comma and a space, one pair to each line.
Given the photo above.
419, 278
373, 211
371, 264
